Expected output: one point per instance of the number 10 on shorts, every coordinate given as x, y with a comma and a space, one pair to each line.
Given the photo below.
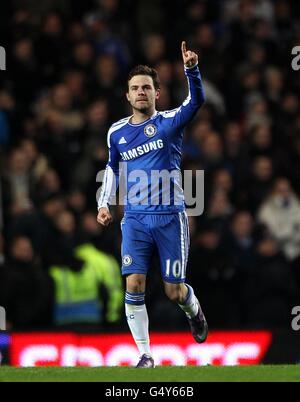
177, 269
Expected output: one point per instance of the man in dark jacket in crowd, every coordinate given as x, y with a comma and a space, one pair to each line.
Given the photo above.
270, 291
25, 289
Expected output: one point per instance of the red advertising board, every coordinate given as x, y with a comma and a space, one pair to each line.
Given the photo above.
221, 348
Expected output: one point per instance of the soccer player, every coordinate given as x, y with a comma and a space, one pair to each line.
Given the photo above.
152, 141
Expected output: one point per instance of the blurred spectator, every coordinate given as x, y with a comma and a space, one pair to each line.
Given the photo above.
26, 290
274, 86
219, 210
43, 8
233, 147
213, 277
49, 183
222, 181
59, 112
106, 81
66, 239
17, 183
257, 187
165, 72
38, 225
83, 57
79, 290
212, 153
240, 240
206, 45
25, 71
153, 48
107, 40
281, 214
77, 203
76, 32
149, 16
164, 101
61, 137
51, 47
4, 130
76, 82
256, 111
270, 289
214, 98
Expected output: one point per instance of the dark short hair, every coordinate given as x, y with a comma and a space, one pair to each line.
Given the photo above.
145, 70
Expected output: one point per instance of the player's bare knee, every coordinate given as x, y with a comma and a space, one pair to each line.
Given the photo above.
136, 283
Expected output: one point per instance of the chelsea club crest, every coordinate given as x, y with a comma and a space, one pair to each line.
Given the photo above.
150, 130
127, 260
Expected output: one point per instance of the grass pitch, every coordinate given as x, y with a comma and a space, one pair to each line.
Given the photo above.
276, 373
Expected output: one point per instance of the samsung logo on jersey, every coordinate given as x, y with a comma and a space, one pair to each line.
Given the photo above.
142, 149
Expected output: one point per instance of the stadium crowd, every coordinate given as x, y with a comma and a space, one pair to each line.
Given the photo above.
67, 63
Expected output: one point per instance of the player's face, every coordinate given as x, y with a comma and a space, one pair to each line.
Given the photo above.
141, 93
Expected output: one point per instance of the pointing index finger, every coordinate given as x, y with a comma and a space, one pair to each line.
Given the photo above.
183, 47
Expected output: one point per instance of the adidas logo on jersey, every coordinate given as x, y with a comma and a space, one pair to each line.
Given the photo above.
122, 141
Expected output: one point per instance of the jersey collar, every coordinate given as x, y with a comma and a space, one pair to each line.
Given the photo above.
140, 124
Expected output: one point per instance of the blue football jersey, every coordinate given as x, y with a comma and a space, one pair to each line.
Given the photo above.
146, 155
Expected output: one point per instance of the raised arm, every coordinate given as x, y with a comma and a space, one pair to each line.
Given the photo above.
196, 96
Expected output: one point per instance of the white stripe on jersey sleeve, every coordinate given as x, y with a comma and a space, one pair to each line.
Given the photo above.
108, 188
188, 99
115, 127
169, 113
